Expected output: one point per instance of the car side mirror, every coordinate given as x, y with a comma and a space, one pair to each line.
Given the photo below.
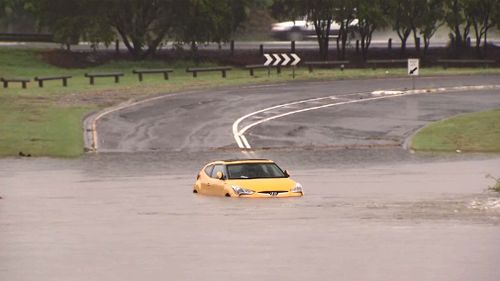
219, 175
287, 174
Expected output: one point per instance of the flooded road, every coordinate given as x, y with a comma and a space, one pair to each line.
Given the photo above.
364, 217
371, 210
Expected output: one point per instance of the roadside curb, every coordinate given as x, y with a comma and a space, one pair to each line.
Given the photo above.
90, 139
90, 136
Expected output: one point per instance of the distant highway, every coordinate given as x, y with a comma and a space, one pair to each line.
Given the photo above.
241, 45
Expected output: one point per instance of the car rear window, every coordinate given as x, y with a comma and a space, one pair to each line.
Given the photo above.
208, 170
217, 168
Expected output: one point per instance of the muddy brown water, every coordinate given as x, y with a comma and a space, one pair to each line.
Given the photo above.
133, 217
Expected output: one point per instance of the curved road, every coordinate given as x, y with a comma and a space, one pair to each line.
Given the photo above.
204, 120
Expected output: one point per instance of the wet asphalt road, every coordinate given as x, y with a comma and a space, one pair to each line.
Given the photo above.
369, 214
198, 121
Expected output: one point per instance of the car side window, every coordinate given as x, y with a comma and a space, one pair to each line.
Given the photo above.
218, 168
208, 170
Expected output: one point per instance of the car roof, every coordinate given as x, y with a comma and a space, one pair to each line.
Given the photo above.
241, 161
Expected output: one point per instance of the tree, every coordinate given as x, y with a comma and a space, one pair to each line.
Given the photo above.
344, 14
319, 12
3, 5
14, 16
403, 14
430, 20
458, 21
370, 15
496, 16
72, 20
202, 21
481, 13
141, 24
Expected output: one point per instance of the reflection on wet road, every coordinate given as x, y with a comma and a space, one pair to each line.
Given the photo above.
133, 217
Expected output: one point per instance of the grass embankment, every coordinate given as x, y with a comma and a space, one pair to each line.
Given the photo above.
47, 121
496, 184
473, 132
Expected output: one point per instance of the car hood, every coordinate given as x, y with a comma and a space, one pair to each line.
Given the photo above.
259, 185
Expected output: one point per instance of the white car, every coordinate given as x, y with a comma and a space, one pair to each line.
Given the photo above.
301, 29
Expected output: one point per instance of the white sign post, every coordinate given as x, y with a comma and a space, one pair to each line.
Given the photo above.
413, 69
282, 60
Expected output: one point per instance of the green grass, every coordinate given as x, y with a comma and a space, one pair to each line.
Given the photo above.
474, 132
496, 184
40, 129
47, 121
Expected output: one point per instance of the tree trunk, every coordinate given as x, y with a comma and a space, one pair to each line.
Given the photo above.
344, 42
427, 41
322, 37
458, 37
415, 38
403, 46
338, 47
485, 41
325, 48
403, 36
364, 49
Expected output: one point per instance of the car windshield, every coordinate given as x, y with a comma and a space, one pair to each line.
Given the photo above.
254, 171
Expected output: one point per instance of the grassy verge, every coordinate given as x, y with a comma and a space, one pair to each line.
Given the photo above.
496, 184
47, 121
474, 132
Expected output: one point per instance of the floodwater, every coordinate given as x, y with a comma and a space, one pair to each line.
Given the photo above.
133, 217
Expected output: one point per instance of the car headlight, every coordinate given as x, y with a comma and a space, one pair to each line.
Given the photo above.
297, 188
242, 191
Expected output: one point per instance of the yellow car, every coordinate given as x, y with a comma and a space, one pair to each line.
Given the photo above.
253, 178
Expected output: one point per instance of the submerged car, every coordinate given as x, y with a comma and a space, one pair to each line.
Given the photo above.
256, 178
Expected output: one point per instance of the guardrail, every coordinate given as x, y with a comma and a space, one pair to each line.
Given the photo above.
141, 72
195, 70
312, 64
375, 63
41, 79
223, 69
461, 62
252, 67
23, 81
116, 75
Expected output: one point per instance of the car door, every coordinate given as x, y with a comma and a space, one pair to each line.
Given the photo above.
216, 186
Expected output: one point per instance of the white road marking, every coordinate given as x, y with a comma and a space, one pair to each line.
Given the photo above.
386, 93
239, 137
241, 140
245, 129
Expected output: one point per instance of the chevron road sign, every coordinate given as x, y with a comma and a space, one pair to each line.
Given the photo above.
281, 59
